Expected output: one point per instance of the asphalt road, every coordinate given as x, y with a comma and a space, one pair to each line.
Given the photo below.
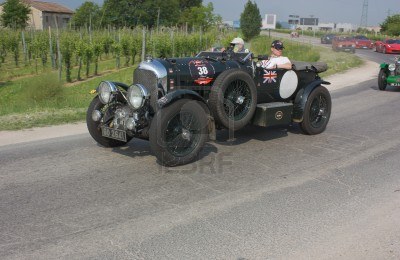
273, 193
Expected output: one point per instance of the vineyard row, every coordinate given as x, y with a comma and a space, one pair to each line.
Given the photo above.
65, 48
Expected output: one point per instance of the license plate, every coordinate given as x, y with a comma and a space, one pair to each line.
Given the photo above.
395, 84
113, 133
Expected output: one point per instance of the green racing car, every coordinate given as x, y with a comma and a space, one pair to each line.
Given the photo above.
389, 74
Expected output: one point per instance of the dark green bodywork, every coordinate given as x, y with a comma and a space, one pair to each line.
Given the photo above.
392, 79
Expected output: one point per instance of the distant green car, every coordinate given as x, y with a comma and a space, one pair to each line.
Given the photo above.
389, 74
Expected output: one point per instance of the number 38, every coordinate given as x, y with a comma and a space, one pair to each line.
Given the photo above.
202, 70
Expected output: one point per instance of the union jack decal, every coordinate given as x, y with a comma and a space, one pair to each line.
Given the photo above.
270, 76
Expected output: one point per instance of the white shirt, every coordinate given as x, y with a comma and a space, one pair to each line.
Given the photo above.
274, 61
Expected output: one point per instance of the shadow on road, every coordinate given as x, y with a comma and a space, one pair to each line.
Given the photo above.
252, 132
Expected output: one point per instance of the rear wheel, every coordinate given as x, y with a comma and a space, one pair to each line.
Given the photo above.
317, 111
233, 99
178, 132
382, 80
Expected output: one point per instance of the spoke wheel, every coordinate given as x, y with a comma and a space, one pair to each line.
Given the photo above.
237, 100
233, 99
178, 132
182, 134
317, 111
382, 80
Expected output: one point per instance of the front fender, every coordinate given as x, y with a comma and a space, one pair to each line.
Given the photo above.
384, 65
302, 97
179, 94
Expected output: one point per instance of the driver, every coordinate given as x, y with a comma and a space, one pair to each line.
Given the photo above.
238, 44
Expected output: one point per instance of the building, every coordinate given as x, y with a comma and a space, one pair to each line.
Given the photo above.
294, 21
269, 22
45, 14
314, 24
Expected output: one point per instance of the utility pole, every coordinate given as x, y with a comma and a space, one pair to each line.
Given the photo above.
364, 15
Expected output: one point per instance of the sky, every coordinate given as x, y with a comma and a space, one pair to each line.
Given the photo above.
337, 11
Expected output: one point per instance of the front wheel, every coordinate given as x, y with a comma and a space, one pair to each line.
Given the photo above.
317, 111
95, 127
178, 132
382, 81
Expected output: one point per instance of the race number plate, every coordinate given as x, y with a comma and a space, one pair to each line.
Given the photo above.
113, 133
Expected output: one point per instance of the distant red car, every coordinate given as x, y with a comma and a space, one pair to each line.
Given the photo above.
343, 43
363, 42
388, 46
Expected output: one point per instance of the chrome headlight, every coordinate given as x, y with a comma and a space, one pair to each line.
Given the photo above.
392, 67
137, 95
105, 90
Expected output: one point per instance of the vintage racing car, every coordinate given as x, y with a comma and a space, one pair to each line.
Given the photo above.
389, 74
179, 103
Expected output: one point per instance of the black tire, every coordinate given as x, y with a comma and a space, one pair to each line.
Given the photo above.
233, 99
178, 132
317, 111
382, 82
94, 127
384, 50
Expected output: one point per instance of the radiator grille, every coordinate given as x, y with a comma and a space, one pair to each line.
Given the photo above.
149, 80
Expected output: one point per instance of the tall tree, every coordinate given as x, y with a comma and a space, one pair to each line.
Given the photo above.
15, 14
87, 14
250, 21
391, 25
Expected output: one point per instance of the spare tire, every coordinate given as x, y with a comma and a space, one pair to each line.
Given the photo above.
233, 99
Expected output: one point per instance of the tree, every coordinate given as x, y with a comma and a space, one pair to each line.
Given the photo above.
201, 16
250, 21
87, 14
391, 25
130, 13
15, 14
186, 4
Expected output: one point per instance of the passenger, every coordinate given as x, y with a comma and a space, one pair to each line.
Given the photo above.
276, 60
237, 45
